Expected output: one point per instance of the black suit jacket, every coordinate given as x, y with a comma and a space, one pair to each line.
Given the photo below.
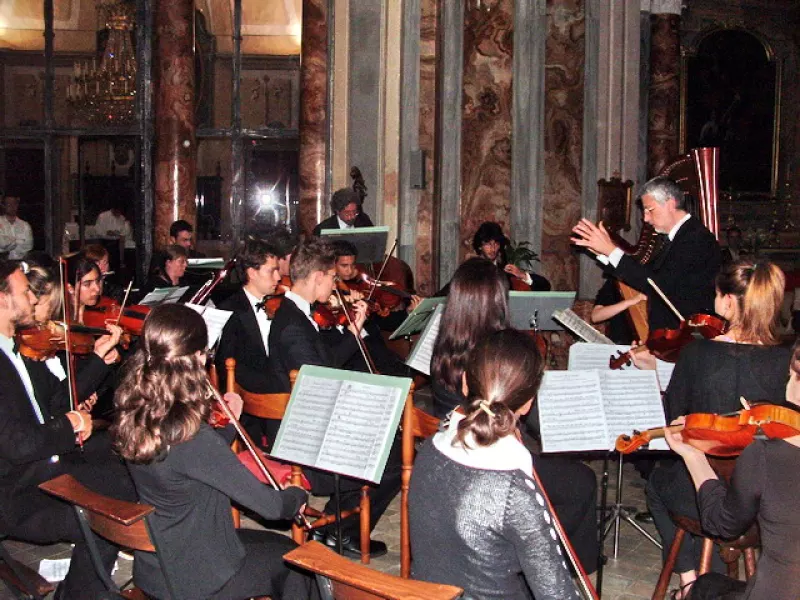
241, 339
362, 220
294, 342
684, 271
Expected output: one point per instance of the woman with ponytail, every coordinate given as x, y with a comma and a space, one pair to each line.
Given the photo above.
747, 361
478, 519
187, 470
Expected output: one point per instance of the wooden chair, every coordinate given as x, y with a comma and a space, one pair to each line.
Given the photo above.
273, 406
417, 424
122, 523
730, 550
341, 579
213, 377
23, 581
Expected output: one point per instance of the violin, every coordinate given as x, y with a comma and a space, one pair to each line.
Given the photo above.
131, 318
723, 435
666, 344
361, 285
44, 341
274, 300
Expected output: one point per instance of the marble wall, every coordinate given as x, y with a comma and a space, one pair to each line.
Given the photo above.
486, 118
563, 139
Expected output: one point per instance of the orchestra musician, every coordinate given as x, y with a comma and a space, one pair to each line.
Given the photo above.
38, 442
490, 242
294, 341
712, 375
346, 205
83, 274
170, 270
187, 471
99, 254
684, 269
478, 461
477, 305
764, 488
181, 233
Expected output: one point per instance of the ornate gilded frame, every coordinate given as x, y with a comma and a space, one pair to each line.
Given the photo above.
689, 52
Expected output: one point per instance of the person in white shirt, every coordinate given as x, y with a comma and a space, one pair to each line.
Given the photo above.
112, 223
16, 236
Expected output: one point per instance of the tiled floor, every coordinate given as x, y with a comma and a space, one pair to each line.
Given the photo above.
632, 576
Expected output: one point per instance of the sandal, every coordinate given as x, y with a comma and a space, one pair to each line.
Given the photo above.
681, 593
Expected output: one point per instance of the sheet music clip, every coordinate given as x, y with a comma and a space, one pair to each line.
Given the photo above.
534, 310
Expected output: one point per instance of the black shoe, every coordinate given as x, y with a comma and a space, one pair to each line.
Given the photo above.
351, 546
644, 516
318, 535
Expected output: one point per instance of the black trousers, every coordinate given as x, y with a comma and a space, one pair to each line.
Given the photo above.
48, 520
264, 573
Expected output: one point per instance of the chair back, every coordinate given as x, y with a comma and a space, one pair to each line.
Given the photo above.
341, 579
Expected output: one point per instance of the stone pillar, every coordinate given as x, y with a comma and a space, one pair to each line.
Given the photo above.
486, 117
175, 148
313, 114
663, 114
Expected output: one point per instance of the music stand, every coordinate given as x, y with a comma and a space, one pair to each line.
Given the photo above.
534, 310
369, 241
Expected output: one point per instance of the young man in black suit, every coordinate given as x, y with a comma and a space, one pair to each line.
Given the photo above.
347, 212
684, 270
38, 442
294, 341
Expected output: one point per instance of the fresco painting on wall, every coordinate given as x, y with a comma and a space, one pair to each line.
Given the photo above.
731, 102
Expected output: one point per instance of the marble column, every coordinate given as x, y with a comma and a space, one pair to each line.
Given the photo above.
175, 163
563, 139
313, 114
486, 117
664, 94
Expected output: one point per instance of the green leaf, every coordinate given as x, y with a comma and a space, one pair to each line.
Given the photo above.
519, 254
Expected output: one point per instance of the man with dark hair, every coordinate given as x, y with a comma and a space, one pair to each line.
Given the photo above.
684, 269
295, 340
16, 235
346, 205
181, 233
246, 333
38, 442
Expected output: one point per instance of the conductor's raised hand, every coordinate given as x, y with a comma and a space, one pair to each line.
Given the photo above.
594, 237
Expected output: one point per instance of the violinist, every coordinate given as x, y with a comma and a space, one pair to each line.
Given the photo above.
477, 305
99, 254
346, 205
38, 442
490, 242
187, 471
764, 488
684, 269
83, 275
294, 341
712, 375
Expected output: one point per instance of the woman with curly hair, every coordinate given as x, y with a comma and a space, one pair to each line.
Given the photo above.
187, 471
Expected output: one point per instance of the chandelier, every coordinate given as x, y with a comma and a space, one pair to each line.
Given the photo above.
106, 93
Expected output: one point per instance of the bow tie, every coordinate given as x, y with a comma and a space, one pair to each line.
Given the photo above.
262, 305
15, 347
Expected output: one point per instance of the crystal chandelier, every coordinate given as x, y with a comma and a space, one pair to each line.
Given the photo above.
106, 93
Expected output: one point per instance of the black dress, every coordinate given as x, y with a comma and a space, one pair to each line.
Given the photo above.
764, 487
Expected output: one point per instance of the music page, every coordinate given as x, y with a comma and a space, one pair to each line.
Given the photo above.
359, 429
579, 327
571, 412
420, 357
306, 420
585, 356
215, 320
632, 402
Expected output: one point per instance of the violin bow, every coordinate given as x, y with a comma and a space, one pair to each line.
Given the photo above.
299, 518
72, 384
124, 302
380, 271
359, 340
663, 296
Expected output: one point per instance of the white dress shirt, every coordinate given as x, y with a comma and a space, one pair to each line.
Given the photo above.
343, 225
117, 226
617, 254
7, 346
15, 238
264, 323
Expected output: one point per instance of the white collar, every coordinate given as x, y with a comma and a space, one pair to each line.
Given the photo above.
674, 231
251, 298
301, 303
506, 454
343, 225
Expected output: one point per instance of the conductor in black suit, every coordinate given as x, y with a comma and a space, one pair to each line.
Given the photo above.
294, 341
684, 269
38, 442
347, 212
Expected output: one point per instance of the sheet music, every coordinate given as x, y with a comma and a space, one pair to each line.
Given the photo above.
632, 401
572, 412
664, 370
167, 295
208, 263
215, 320
303, 427
358, 430
420, 357
417, 318
579, 327
585, 356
